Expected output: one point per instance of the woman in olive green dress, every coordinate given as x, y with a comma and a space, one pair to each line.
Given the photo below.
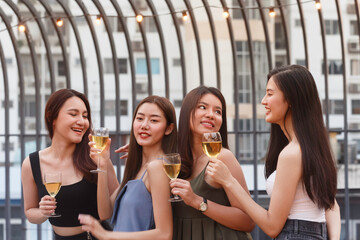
206, 211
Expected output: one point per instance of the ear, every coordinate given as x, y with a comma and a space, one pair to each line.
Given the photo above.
169, 129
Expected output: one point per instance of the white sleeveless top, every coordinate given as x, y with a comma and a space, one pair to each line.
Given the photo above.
302, 208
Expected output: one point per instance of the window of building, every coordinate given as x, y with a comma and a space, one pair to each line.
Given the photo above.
250, 10
279, 36
334, 67
11, 147
110, 108
301, 62
141, 67
331, 27
354, 28
177, 103
9, 61
355, 106
29, 106
115, 24
61, 68
109, 65
176, 62
10, 104
335, 106
355, 67
297, 23
148, 25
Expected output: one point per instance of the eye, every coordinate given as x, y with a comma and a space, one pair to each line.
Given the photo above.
139, 118
72, 114
154, 120
218, 112
85, 116
202, 107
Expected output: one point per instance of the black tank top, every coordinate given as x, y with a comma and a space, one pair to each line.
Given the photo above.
71, 200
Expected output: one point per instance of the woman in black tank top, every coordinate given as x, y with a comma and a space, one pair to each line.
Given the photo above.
68, 120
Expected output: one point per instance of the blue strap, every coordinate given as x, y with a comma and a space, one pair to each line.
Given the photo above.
143, 174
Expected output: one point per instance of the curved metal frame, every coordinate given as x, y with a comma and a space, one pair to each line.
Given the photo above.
283, 21
146, 49
181, 45
98, 57
357, 6
216, 51
79, 43
196, 34
304, 33
61, 40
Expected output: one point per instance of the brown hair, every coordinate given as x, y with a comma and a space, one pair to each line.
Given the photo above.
318, 166
81, 158
134, 160
187, 109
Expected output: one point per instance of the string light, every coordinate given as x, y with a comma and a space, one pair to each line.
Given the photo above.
317, 4
59, 22
226, 13
139, 18
22, 27
272, 12
184, 16
98, 19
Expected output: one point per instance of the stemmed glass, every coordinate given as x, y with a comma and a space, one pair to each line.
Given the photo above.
53, 185
211, 144
100, 136
172, 165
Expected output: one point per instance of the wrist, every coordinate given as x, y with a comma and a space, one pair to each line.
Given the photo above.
228, 184
196, 202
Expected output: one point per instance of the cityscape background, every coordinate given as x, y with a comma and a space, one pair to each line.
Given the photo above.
101, 50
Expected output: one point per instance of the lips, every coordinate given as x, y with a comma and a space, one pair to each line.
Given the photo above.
208, 124
144, 134
77, 130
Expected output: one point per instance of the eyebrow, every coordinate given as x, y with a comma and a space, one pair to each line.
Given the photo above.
269, 90
152, 115
75, 110
218, 107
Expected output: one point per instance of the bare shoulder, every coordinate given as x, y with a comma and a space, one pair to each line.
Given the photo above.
291, 155
154, 165
227, 157
26, 166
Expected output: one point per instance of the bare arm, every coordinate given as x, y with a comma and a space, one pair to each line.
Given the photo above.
224, 215
107, 181
287, 178
159, 187
333, 222
36, 212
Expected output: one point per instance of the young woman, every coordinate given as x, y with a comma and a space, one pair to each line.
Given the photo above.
300, 169
140, 208
207, 211
68, 120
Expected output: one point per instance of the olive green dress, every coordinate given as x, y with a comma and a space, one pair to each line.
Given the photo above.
191, 224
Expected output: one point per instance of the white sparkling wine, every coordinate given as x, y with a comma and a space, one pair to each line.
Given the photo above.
53, 188
212, 149
172, 170
100, 141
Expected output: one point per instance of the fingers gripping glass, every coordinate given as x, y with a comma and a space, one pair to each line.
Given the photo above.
172, 166
53, 185
100, 136
211, 144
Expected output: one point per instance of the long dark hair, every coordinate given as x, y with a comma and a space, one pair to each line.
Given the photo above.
81, 158
134, 160
318, 166
188, 107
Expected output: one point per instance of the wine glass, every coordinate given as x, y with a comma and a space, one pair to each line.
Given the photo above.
211, 144
100, 136
172, 165
53, 185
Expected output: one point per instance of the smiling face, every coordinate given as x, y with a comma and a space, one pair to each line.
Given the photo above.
207, 116
150, 125
72, 121
275, 104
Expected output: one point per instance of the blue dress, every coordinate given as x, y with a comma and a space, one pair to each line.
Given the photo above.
133, 209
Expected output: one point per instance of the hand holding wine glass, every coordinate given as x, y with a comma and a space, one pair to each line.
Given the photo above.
100, 136
172, 166
53, 185
211, 143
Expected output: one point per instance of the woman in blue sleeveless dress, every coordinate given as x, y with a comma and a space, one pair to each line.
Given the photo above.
139, 208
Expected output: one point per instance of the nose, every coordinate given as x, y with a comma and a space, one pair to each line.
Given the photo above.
210, 113
145, 125
263, 101
80, 120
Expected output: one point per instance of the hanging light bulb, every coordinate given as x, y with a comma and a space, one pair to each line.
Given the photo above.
98, 19
22, 27
59, 22
139, 18
226, 13
184, 16
317, 4
272, 12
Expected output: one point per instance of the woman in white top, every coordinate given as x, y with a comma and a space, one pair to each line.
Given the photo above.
300, 168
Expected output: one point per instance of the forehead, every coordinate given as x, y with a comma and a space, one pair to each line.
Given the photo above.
74, 103
150, 109
211, 99
271, 85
